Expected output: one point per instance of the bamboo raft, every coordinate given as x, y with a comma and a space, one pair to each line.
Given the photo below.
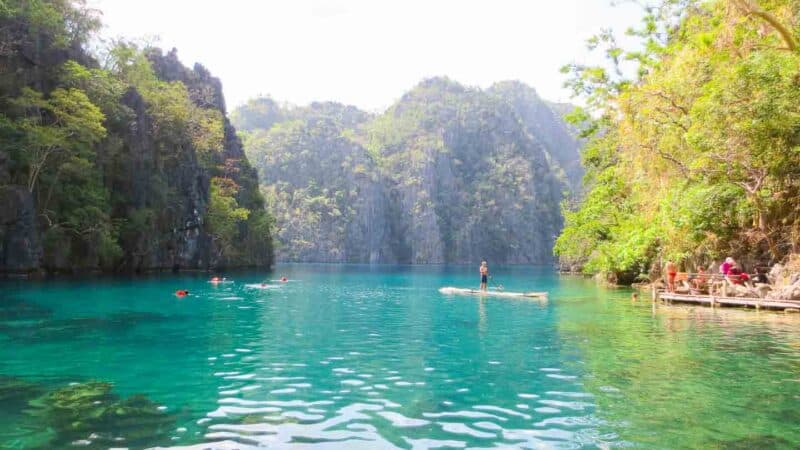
714, 300
494, 293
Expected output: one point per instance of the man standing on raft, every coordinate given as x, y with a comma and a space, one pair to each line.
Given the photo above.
484, 275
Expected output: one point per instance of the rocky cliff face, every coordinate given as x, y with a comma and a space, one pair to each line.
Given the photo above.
448, 174
141, 171
479, 186
325, 192
188, 244
20, 249
544, 122
141, 176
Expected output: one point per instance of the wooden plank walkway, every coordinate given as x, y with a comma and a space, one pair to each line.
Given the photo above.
712, 301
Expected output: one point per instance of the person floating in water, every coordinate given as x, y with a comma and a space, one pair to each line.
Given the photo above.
181, 293
484, 275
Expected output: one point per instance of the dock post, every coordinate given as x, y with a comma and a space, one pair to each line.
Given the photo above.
654, 293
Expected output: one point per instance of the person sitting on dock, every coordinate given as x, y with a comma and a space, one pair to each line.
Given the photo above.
484, 270
699, 280
761, 282
727, 265
737, 276
760, 277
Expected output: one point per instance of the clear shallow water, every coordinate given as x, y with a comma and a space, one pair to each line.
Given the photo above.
359, 357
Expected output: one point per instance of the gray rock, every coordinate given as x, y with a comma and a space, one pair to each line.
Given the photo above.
20, 248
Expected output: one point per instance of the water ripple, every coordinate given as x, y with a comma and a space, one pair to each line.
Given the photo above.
382, 361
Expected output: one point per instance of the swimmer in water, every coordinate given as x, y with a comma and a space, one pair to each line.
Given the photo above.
181, 293
284, 279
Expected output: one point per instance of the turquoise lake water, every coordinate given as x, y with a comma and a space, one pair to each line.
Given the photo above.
360, 357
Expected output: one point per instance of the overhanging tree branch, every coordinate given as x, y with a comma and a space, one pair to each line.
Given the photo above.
751, 9
678, 163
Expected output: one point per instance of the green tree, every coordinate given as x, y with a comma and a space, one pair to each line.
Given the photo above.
65, 124
700, 148
224, 214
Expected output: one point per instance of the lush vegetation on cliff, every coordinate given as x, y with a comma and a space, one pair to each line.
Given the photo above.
129, 164
697, 156
447, 174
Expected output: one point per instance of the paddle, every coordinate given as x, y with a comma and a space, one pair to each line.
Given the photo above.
499, 287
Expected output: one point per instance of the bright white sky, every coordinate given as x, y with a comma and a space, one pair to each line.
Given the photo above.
368, 52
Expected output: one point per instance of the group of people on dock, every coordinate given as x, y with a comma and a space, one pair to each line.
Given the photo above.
729, 270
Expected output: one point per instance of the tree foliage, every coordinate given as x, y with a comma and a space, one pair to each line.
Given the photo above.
224, 213
696, 156
54, 129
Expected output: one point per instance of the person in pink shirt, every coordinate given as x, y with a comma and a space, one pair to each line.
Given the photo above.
726, 266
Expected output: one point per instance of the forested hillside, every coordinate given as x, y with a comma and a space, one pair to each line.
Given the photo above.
121, 159
447, 174
698, 156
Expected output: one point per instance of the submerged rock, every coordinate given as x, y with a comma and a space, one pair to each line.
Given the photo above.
757, 441
16, 391
58, 329
91, 414
17, 309
136, 317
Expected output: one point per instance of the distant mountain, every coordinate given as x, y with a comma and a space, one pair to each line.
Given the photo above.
323, 189
263, 112
448, 174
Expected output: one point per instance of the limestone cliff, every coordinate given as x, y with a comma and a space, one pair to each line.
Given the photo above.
325, 192
127, 167
473, 182
448, 174
544, 122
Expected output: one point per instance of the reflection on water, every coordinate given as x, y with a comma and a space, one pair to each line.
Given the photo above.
359, 357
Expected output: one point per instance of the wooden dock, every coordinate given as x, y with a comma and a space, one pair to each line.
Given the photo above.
712, 300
